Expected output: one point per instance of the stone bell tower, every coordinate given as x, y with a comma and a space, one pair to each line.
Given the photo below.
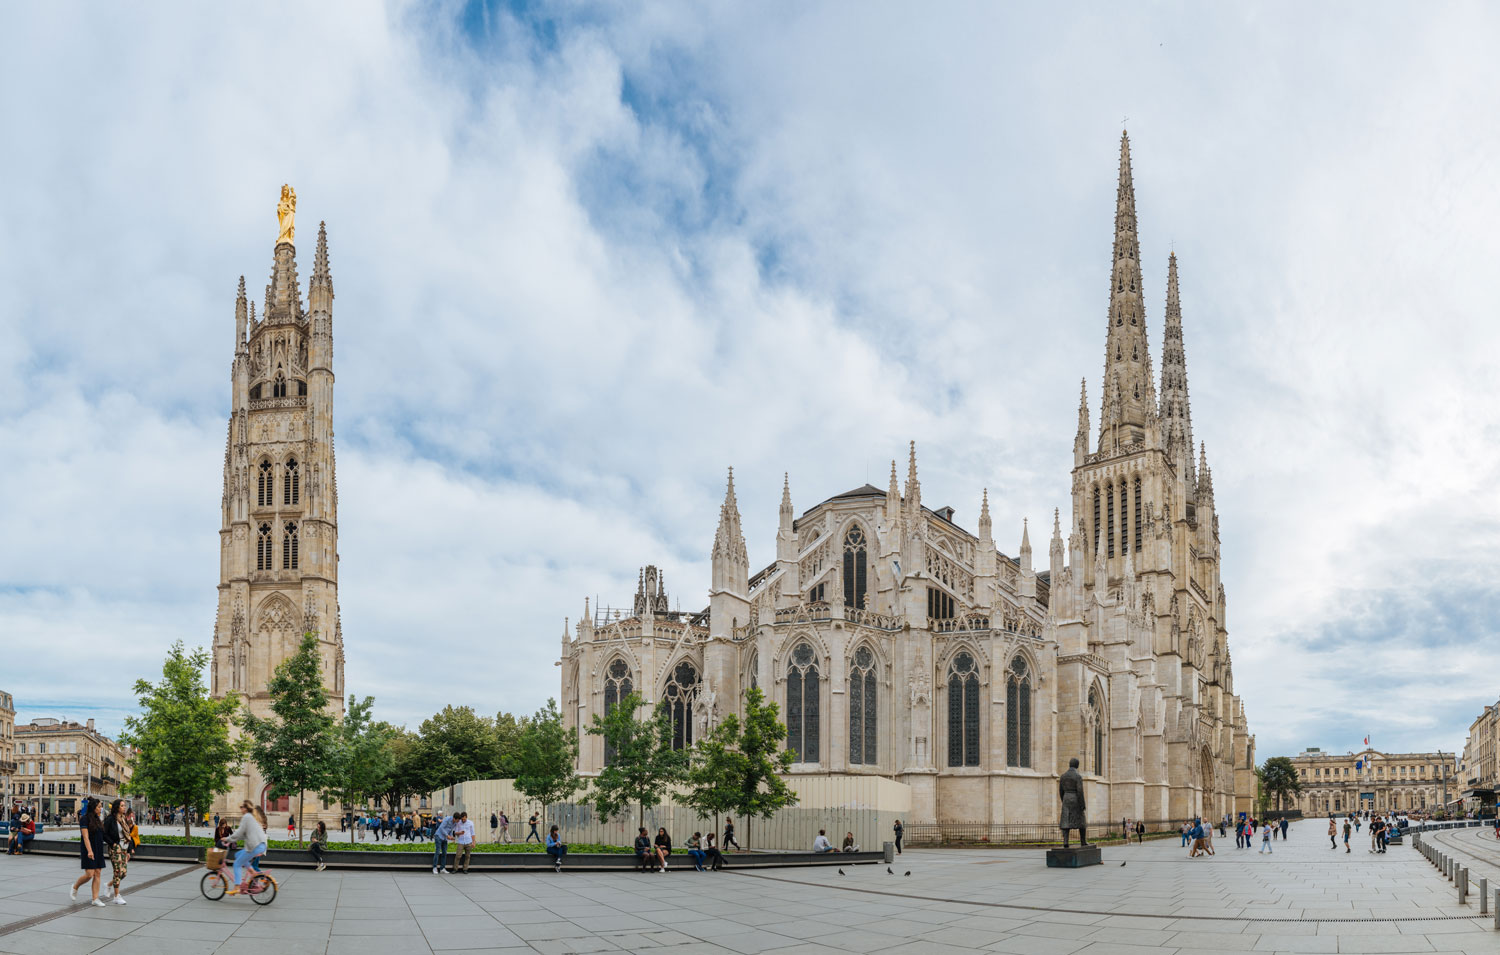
278, 539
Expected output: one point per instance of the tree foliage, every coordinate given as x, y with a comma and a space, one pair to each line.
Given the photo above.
645, 766
756, 773
361, 761
407, 776
547, 759
458, 744
1278, 779
184, 751
294, 747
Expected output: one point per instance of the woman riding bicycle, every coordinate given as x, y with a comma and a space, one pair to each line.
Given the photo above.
252, 835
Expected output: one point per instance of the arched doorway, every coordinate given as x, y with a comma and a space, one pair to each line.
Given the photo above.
282, 804
1209, 801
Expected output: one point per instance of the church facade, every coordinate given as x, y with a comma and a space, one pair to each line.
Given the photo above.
900, 644
278, 538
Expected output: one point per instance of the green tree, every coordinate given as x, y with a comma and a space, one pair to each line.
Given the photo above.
762, 762
361, 761
716, 770
458, 744
547, 759
1278, 779
184, 752
294, 747
508, 732
644, 767
407, 777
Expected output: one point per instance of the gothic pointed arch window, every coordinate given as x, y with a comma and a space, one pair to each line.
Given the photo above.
1096, 518
263, 551
752, 672
963, 711
1096, 720
678, 699
1018, 714
855, 548
1137, 515
278, 387
289, 556
802, 699
617, 686
1124, 518
301, 388
863, 712
265, 485
1109, 523
291, 483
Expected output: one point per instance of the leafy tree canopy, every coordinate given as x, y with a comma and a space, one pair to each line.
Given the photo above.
294, 747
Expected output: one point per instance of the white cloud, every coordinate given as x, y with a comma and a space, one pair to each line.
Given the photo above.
576, 279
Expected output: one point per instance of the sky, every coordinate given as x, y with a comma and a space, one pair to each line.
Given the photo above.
587, 256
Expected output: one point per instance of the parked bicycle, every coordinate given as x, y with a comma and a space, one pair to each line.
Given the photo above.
260, 886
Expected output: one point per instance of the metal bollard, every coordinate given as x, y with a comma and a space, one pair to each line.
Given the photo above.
1497, 908
1461, 881
1484, 896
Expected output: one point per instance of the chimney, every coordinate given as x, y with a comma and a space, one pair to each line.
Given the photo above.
91, 724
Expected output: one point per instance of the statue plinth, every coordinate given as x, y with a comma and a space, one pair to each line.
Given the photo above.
1074, 858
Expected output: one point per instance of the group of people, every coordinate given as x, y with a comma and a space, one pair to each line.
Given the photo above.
653, 854
1382, 829
115, 836
21, 831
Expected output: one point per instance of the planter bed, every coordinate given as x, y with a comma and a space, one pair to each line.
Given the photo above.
419, 861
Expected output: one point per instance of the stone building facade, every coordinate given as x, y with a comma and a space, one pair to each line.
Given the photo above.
898, 643
7, 745
1372, 780
1480, 769
59, 762
278, 566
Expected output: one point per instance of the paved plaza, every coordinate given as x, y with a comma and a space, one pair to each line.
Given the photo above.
1302, 898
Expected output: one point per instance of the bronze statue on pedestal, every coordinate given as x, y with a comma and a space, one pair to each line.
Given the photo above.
1074, 810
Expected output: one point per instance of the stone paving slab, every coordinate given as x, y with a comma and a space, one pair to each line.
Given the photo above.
1301, 898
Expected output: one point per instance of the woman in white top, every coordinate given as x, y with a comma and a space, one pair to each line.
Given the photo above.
251, 835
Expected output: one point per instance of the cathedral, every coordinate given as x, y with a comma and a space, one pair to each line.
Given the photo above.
278, 539
899, 644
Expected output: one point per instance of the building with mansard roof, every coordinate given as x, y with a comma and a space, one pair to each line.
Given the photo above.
899, 644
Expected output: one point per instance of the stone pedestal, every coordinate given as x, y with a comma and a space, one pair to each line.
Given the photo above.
1074, 858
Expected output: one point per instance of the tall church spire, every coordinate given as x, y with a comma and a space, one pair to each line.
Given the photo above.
1176, 412
1129, 391
241, 317
731, 562
913, 486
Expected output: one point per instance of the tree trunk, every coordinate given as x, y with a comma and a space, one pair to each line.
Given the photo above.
301, 808
187, 824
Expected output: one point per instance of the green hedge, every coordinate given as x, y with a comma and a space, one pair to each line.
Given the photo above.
337, 845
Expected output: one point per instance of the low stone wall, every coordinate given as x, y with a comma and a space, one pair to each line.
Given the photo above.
416, 861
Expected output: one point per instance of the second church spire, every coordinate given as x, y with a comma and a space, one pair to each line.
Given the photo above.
1129, 393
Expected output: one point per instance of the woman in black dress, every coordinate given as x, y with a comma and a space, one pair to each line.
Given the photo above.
90, 849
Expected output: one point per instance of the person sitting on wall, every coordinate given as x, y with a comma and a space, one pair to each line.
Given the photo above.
821, 844
643, 851
663, 846
849, 845
715, 857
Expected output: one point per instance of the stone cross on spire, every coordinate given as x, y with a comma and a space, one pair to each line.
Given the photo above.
1129, 395
1176, 413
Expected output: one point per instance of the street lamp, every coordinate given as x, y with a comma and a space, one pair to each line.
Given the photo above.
1442, 769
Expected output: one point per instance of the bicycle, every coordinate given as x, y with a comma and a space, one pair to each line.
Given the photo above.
261, 885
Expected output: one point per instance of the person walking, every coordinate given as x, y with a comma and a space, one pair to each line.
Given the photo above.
1333, 833
318, 844
504, 827
556, 848
440, 844
533, 833
1208, 837
901, 831
1347, 828
494, 828
1285, 825
1265, 839
729, 836
291, 826
90, 850
1239, 835
464, 836
117, 844
1140, 831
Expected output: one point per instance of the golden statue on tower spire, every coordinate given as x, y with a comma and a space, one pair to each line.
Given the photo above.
286, 212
